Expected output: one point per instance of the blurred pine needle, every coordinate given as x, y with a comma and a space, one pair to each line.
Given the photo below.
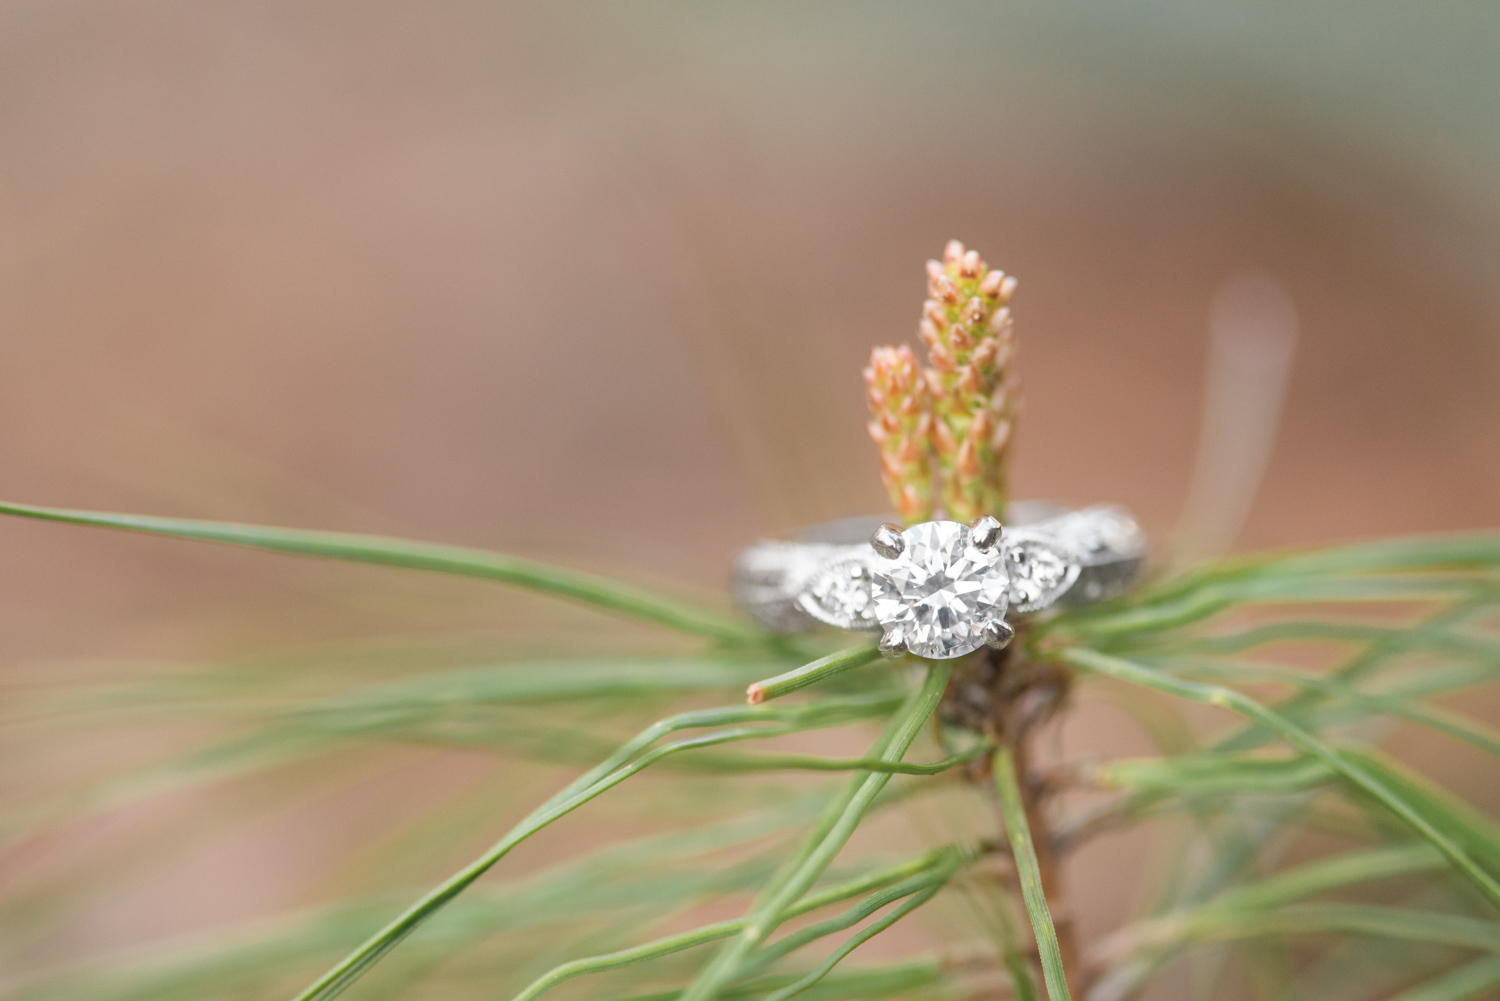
633, 827
1406, 863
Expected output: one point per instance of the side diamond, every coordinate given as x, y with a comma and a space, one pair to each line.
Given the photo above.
840, 595
1039, 571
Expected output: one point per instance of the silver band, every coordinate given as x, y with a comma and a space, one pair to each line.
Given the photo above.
829, 574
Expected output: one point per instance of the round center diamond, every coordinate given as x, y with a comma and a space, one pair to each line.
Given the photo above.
941, 592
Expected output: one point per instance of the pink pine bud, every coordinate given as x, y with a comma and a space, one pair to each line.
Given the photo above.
900, 425
1001, 437
979, 428
974, 311
970, 384
934, 383
914, 505
984, 355
942, 358
943, 289
929, 333
942, 438
935, 313
1005, 351
966, 462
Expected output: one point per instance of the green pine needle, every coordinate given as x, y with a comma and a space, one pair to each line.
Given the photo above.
1030, 875
381, 551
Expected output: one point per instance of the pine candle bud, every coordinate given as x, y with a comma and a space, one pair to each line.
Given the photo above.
971, 380
901, 425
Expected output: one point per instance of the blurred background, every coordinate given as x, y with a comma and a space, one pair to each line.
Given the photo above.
595, 283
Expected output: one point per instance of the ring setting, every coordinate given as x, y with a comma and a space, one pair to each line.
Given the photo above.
940, 589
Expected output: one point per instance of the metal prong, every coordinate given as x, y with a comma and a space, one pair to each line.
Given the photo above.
892, 644
998, 634
985, 531
887, 541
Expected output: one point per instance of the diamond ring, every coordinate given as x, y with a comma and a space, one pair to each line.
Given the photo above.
940, 589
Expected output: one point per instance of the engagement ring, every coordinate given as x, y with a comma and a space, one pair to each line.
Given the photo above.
940, 589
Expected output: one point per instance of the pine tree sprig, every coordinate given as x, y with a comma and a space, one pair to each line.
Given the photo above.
972, 380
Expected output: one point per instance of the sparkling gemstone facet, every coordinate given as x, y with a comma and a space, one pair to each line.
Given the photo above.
839, 594
1037, 572
941, 592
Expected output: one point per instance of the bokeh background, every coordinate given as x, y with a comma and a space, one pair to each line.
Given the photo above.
594, 283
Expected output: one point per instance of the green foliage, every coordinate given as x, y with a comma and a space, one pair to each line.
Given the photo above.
1008, 783
1302, 846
